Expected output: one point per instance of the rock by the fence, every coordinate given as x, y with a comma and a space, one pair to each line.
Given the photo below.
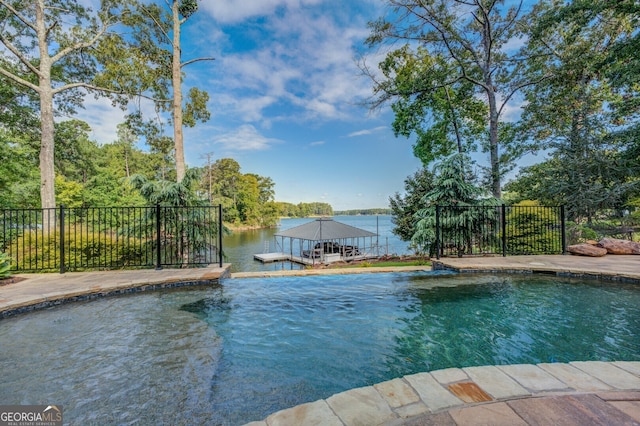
587, 250
591, 242
616, 246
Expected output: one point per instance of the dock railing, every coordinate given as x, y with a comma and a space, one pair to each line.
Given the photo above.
73, 239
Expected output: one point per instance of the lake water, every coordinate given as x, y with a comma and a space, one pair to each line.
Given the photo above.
242, 245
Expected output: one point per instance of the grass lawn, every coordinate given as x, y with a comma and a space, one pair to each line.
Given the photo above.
385, 262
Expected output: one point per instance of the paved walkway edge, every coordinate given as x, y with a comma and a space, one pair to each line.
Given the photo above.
622, 268
330, 271
463, 393
42, 291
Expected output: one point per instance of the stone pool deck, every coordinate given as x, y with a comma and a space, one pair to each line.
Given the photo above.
615, 267
41, 291
578, 393
574, 394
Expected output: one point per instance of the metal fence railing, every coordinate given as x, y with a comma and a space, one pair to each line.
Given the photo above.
504, 230
71, 239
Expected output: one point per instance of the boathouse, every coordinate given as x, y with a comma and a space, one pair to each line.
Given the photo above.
323, 240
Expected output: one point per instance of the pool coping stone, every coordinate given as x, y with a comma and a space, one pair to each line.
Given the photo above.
520, 394
42, 291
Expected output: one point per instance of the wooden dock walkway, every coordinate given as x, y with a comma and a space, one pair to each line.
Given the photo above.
271, 257
307, 261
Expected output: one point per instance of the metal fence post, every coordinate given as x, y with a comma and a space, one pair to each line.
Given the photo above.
437, 232
504, 230
220, 233
563, 225
62, 265
158, 251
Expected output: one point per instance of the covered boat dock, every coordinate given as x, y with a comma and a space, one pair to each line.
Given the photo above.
323, 241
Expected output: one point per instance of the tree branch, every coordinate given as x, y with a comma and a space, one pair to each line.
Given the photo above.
19, 80
191, 61
158, 24
90, 86
18, 15
19, 54
82, 45
48, 30
518, 87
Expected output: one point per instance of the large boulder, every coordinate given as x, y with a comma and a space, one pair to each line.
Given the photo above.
587, 250
615, 246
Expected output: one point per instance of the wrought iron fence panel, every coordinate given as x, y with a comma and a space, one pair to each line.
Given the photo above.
72, 239
503, 230
534, 230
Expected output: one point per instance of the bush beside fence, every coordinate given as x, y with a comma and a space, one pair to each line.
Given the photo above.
504, 230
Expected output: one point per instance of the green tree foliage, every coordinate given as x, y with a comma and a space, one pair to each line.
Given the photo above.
315, 209
576, 113
530, 229
169, 193
86, 247
286, 209
51, 46
462, 51
452, 186
19, 142
75, 152
247, 199
363, 212
305, 209
68, 193
405, 206
621, 63
18, 107
187, 232
18, 171
445, 119
5, 266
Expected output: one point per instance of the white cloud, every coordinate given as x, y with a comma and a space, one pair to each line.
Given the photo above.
230, 11
514, 44
247, 109
366, 131
317, 143
302, 63
245, 138
102, 117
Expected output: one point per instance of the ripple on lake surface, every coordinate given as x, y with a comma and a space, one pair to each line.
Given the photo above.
238, 352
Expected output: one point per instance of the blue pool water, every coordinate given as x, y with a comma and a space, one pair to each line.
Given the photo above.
240, 351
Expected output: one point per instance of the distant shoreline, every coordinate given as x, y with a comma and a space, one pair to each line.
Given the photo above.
234, 228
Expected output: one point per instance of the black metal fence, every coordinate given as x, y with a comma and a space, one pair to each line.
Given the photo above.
505, 230
71, 239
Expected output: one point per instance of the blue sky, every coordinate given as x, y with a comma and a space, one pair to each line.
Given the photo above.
286, 100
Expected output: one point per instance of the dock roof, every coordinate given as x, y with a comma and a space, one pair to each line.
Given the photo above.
323, 229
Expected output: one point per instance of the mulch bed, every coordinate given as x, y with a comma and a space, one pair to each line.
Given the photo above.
11, 280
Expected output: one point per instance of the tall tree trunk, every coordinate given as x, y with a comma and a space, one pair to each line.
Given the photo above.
47, 171
493, 145
126, 162
454, 119
177, 94
487, 69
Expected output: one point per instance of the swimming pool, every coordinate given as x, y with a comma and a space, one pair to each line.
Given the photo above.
238, 352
